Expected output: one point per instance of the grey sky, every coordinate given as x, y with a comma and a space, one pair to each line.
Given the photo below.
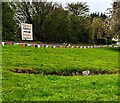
95, 5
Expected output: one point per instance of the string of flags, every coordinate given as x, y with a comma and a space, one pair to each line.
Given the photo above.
52, 46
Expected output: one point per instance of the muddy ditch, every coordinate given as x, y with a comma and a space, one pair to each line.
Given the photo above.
64, 73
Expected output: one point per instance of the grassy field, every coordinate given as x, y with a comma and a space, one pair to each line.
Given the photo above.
37, 87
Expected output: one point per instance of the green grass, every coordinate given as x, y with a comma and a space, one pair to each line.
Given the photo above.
59, 59
36, 87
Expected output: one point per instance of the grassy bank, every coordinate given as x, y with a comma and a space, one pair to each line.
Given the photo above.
34, 87
60, 59
37, 87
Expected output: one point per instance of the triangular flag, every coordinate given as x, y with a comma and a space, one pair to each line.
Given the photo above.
56, 46
32, 45
84, 47
12, 43
22, 45
46, 46
38, 46
80, 46
25, 45
3, 43
29, 44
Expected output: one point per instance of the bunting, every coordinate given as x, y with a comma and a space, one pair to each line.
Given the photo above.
53, 46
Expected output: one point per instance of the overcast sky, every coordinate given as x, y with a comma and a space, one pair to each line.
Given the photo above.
95, 5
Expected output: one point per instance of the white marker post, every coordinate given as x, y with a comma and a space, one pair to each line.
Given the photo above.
26, 31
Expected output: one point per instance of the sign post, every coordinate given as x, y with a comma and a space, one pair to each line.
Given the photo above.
26, 30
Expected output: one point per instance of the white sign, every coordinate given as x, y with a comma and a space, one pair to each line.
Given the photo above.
26, 31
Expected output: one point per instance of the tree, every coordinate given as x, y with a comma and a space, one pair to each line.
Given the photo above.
78, 8
80, 22
9, 24
52, 23
98, 15
81, 30
34, 13
57, 26
40, 12
98, 26
116, 18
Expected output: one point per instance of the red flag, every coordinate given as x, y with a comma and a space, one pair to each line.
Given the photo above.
22, 45
8, 43
56, 46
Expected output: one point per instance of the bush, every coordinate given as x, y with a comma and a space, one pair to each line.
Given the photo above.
109, 41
